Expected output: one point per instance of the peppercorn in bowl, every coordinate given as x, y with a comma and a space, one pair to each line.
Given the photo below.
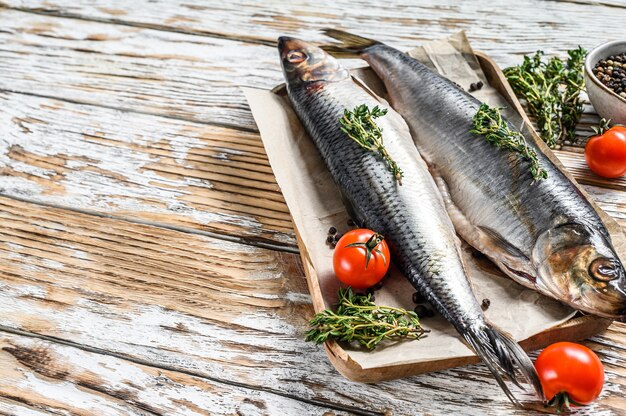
605, 79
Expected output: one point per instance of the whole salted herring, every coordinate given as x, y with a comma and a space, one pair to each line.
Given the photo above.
542, 233
411, 215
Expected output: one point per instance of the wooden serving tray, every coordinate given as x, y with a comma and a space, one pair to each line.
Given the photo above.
577, 328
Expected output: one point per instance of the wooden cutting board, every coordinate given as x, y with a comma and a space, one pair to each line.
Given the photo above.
577, 328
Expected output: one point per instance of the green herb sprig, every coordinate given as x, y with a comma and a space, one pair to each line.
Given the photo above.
489, 123
360, 126
551, 90
360, 320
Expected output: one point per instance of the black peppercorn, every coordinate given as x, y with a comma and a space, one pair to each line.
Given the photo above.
612, 72
330, 239
485, 304
418, 298
421, 311
332, 231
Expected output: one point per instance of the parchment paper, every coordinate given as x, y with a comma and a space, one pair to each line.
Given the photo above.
315, 205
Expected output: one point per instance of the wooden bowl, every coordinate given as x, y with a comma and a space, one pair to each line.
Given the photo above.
606, 102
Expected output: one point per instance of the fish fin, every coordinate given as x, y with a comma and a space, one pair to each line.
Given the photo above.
502, 356
499, 241
351, 45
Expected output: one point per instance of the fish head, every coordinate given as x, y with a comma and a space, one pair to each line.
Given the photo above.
304, 63
578, 265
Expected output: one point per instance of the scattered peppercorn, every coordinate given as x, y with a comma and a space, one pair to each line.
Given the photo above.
330, 239
485, 305
337, 237
422, 311
332, 231
418, 298
475, 86
612, 73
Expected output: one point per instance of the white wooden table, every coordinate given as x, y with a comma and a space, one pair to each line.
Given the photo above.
148, 264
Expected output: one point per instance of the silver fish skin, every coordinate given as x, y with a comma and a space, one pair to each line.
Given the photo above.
411, 216
542, 233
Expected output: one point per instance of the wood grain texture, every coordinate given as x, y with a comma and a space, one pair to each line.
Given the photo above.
216, 310
132, 109
58, 379
128, 68
149, 168
553, 26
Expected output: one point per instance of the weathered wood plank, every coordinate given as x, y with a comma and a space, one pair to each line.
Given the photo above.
128, 68
190, 302
501, 28
12, 408
612, 202
140, 166
42, 377
207, 307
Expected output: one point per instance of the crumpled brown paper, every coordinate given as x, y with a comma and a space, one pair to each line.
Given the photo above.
315, 205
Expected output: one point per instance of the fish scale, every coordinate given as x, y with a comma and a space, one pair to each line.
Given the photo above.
378, 201
475, 156
543, 233
411, 216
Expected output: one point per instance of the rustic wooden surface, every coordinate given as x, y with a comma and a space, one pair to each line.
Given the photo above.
148, 261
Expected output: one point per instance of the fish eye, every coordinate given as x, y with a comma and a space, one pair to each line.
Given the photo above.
295, 57
603, 270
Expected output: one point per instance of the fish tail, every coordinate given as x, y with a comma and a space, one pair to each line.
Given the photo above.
351, 45
502, 355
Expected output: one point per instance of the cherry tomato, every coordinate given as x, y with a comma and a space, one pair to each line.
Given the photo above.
606, 152
361, 258
570, 373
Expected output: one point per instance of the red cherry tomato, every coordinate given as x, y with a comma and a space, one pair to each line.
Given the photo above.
352, 263
606, 152
570, 373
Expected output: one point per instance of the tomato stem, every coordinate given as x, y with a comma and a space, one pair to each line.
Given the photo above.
370, 246
561, 401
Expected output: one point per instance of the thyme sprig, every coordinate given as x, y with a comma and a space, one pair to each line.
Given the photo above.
551, 90
360, 320
360, 126
489, 123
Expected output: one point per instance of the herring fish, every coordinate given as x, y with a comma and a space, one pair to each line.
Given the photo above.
544, 234
411, 216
